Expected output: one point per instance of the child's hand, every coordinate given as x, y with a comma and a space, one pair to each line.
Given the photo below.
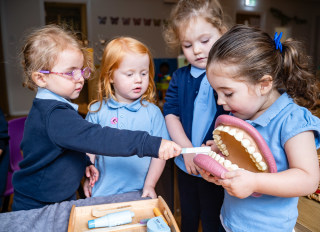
87, 189
168, 149
213, 145
93, 174
148, 191
208, 177
239, 183
190, 165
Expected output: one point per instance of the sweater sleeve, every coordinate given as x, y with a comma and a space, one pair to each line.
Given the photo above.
171, 105
67, 129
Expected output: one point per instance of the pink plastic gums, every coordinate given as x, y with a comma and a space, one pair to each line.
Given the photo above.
207, 163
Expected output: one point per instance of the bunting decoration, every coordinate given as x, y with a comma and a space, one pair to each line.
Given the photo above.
136, 21
114, 20
147, 22
157, 22
126, 21
102, 20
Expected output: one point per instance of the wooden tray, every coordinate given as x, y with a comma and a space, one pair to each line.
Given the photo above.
142, 209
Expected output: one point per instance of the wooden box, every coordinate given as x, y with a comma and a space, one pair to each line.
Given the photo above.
142, 209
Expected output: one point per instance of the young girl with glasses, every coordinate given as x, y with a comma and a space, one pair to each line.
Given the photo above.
271, 86
126, 101
56, 138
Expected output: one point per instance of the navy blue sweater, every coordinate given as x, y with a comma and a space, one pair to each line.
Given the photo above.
181, 94
54, 144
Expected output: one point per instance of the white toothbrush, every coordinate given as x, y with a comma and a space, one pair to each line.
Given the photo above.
188, 150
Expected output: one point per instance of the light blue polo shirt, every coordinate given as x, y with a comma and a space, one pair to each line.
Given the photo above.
204, 108
125, 174
283, 120
203, 114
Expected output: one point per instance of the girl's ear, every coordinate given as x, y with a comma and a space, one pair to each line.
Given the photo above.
39, 79
266, 83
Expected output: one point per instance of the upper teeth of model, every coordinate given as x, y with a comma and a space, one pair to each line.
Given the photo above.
239, 136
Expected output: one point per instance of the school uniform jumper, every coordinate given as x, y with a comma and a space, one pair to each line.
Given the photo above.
192, 99
56, 139
125, 174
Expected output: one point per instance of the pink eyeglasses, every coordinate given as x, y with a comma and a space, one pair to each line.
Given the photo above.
75, 74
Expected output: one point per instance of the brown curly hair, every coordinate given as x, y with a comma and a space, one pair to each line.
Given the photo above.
255, 55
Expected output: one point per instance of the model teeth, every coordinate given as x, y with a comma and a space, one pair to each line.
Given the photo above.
226, 163
245, 143
250, 150
232, 132
239, 136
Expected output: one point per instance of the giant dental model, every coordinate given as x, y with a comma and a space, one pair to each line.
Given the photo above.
241, 147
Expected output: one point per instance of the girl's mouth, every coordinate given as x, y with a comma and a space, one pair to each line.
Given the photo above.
200, 59
137, 90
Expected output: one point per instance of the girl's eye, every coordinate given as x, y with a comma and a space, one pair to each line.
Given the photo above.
205, 41
228, 94
129, 74
144, 73
187, 46
69, 73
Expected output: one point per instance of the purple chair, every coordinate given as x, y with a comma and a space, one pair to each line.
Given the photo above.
15, 131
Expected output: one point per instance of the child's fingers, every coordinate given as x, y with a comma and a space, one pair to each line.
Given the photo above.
210, 142
229, 175
88, 172
144, 194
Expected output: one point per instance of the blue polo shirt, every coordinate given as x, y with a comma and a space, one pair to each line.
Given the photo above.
119, 174
283, 120
186, 98
204, 108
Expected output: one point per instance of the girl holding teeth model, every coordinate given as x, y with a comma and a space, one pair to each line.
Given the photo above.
248, 69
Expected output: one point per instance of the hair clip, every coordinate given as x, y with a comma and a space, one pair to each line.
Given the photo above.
276, 39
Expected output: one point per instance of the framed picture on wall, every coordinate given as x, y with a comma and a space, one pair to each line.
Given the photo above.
72, 15
250, 19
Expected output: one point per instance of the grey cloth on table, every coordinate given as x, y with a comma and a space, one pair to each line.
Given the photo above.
55, 217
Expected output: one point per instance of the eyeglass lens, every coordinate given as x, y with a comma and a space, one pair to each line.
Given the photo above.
85, 73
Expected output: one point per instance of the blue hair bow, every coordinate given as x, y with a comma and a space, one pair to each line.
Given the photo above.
276, 39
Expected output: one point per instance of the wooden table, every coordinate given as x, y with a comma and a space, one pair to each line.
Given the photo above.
309, 215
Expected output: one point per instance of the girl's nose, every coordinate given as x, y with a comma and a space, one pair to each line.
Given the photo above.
196, 49
220, 101
137, 78
80, 79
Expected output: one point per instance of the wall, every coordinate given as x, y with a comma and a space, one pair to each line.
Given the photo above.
19, 16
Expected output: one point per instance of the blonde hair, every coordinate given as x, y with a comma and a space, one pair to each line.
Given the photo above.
112, 57
42, 48
186, 10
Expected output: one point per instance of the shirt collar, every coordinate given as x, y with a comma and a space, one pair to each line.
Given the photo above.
273, 110
196, 72
134, 106
43, 93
